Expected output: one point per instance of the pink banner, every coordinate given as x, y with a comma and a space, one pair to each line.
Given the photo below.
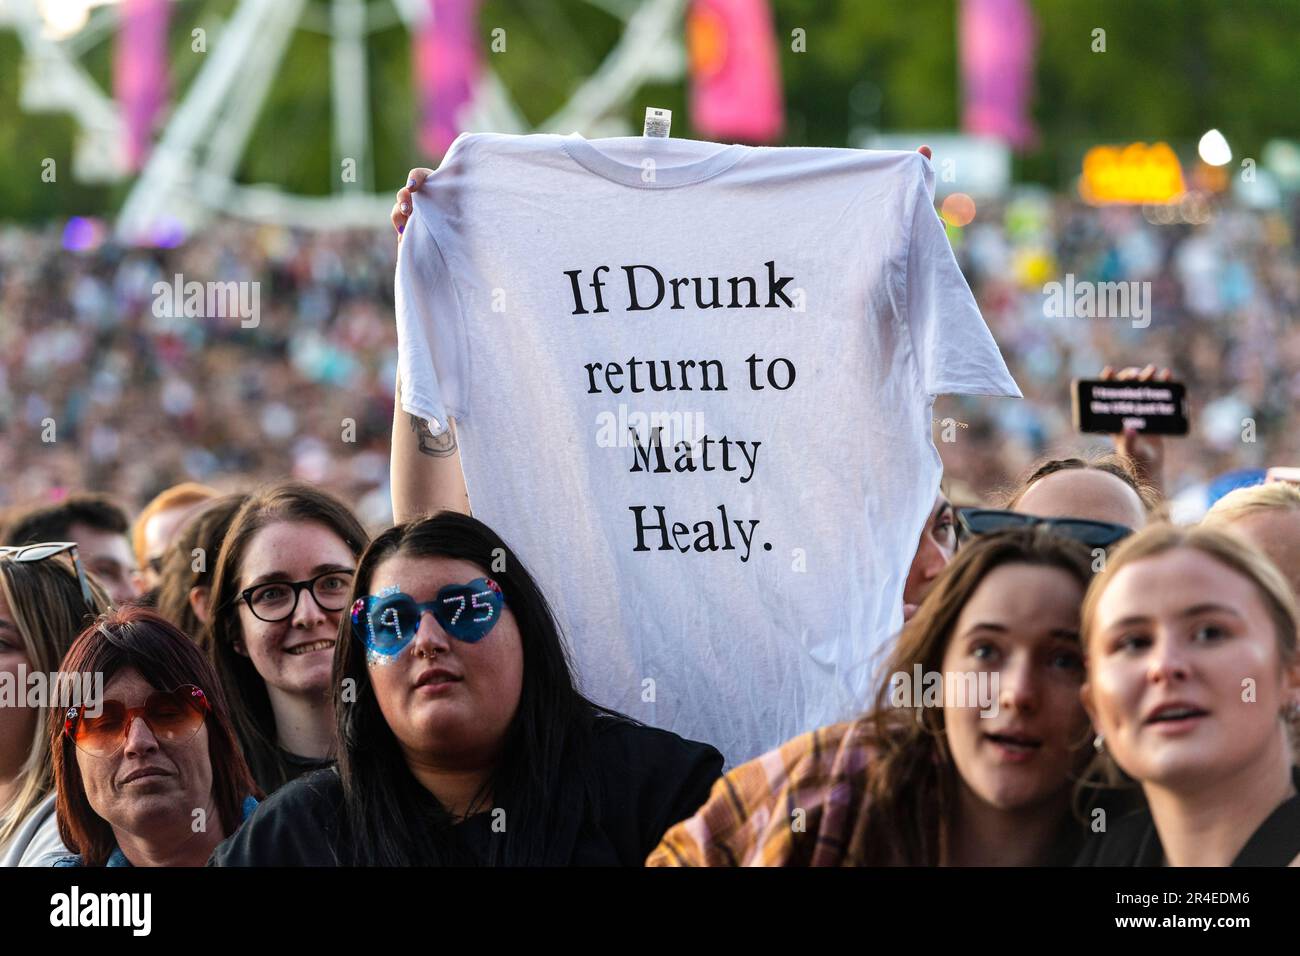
446, 53
140, 72
997, 65
735, 75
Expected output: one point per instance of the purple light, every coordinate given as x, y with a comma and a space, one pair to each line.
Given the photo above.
167, 232
82, 234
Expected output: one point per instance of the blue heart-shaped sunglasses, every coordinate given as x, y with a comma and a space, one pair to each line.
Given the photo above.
386, 622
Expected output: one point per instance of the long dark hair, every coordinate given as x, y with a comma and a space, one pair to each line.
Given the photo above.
139, 638
250, 702
544, 779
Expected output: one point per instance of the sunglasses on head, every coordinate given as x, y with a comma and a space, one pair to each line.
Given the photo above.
48, 549
173, 717
387, 622
1095, 534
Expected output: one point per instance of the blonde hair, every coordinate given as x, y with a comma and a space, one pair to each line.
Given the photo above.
177, 496
45, 602
1225, 548
1235, 505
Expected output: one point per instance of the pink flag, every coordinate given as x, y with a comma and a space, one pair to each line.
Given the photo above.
140, 72
446, 52
997, 66
735, 76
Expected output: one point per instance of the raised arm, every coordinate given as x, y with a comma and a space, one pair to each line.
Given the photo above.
424, 469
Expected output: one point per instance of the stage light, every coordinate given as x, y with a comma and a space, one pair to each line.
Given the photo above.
1213, 149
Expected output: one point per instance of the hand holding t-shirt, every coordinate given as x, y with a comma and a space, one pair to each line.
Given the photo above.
693, 385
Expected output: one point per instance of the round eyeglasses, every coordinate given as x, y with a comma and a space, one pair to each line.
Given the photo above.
277, 600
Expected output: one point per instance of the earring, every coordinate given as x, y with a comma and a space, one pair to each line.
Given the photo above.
1099, 743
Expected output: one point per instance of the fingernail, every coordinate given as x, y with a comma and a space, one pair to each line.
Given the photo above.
406, 208
401, 228
410, 184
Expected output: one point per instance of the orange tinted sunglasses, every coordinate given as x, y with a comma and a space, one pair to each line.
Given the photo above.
173, 717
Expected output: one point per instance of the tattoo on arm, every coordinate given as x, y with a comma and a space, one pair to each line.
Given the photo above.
437, 446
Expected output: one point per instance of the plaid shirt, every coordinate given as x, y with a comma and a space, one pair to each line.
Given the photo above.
798, 805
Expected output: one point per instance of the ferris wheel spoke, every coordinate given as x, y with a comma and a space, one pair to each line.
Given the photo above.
350, 94
56, 81
643, 40
243, 62
189, 175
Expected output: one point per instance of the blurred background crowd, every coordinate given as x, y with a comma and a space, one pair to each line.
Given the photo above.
228, 140
308, 392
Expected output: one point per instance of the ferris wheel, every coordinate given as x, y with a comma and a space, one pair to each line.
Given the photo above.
189, 175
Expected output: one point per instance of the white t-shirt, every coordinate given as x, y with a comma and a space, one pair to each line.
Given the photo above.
555, 294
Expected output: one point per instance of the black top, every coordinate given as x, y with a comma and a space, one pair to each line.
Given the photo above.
296, 765
1133, 841
648, 780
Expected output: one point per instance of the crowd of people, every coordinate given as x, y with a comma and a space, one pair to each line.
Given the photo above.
309, 699
283, 681
80, 346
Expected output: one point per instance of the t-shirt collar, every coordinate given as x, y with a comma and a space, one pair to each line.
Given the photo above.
593, 156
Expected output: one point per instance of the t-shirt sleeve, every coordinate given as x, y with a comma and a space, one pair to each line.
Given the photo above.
431, 353
955, 352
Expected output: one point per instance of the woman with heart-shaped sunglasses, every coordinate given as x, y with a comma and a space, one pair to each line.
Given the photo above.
458, 716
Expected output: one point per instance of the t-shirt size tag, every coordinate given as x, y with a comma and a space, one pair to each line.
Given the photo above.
657, 122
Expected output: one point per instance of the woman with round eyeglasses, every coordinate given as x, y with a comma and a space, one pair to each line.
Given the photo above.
463, 738
150, 773
279, 592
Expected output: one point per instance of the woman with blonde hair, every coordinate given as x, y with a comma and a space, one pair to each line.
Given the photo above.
1268, 516
1190, 637
44, 603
